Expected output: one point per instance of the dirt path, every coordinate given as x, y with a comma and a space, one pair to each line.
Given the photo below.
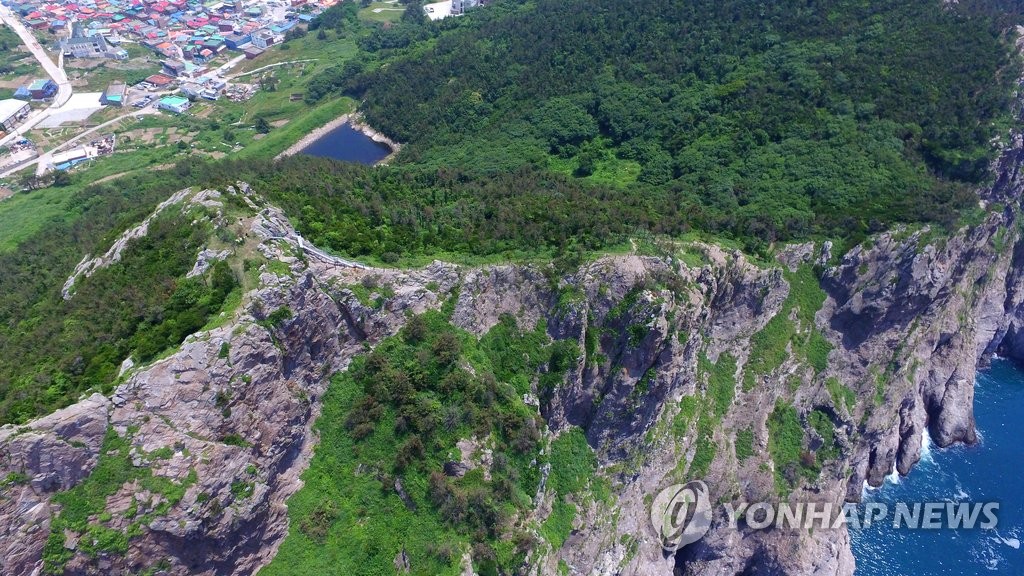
158, 167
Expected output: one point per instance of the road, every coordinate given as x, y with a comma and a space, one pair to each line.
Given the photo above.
43, 160
223, 69
55, 71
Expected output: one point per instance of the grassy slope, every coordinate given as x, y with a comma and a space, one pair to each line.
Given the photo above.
24, 214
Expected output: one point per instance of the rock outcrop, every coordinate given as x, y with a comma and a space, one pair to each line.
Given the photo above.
227, 418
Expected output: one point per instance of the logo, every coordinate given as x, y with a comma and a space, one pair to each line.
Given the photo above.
681, 514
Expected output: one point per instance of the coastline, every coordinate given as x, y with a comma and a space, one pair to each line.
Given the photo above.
355, 120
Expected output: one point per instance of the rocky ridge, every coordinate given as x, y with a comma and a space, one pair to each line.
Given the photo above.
226, 419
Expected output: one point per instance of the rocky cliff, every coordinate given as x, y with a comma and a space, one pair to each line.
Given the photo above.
187, 467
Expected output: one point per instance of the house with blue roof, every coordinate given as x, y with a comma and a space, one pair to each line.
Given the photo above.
237, 41
42, 89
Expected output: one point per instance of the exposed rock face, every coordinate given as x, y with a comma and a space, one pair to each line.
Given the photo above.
928, 314
58, 456
231, 411
88, 266
233, 407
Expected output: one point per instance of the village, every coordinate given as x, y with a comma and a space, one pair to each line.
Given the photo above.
122, 65
188, 33
185, 48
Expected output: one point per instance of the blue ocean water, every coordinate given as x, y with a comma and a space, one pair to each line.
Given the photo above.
990, 471
348, 144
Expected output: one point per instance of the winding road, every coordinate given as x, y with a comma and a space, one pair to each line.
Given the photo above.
55, 71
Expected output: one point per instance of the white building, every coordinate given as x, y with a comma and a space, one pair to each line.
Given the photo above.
12, 112
460, 6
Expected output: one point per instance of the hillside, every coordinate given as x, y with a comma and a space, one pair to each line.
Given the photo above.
508, 416
765, 121
625, 245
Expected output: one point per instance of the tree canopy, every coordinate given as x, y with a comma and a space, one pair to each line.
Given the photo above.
765, 121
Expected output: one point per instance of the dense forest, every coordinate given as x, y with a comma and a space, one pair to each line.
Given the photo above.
766, 121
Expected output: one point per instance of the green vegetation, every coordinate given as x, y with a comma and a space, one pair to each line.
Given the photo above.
15, 59
685, 416
786, 446
24, 214
15, 479
823, 425
744, 444
704, 454
722, 384
573, 465
770, 346
515, 354
278, 317
83, 507
382, 11
558, 525
841, 395
534, 130
797, 122
716, 399
376, 484
528, 138
241, 490
881, 380
139, 306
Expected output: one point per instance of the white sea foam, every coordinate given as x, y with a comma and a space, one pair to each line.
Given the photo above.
866, 490
926, 446
961, 494
894, 476
986, 553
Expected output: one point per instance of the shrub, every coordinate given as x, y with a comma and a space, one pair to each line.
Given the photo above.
744, 444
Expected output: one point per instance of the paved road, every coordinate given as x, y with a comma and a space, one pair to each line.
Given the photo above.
53, 70
43, 161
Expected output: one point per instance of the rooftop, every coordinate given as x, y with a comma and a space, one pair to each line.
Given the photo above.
10, 107
167, 100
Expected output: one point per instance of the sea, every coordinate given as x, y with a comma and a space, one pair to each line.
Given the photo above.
991, 471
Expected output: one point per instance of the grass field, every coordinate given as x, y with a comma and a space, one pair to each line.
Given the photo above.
609, 171
382, 12
328, 52
97, 78
22, 214
15, 60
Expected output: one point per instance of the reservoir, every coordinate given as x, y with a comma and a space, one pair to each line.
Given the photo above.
987, 472
348, 144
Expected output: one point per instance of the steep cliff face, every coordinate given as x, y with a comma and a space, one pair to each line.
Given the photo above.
916, 318
912, 316
688, 355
